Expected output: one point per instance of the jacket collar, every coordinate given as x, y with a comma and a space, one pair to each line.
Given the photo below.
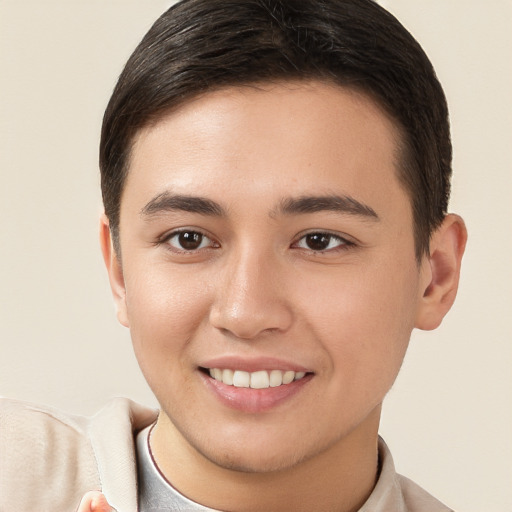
112, 431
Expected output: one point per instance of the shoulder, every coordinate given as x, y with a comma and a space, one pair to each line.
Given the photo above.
46, 451
417, 499
49, 459
396, 492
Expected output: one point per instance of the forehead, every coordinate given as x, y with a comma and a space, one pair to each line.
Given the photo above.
292, 135
310, 102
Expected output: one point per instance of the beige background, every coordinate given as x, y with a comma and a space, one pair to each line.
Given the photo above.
448, 419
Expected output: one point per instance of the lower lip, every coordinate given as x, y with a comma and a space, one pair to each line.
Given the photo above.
254, 400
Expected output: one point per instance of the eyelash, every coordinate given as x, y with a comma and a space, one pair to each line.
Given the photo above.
342, 243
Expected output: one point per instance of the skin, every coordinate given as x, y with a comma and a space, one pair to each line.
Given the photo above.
94, 501
257, 288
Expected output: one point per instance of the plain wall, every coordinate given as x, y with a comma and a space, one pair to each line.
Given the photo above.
448, 419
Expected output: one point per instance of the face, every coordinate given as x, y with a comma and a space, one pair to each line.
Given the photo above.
266, 242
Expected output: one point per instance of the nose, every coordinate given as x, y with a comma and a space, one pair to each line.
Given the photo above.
250, 297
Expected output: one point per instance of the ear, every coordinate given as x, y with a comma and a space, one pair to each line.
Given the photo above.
440, 272
114, 269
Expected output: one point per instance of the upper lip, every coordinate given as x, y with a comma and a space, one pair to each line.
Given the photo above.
253, 364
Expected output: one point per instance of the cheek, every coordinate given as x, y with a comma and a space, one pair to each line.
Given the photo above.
164, 309
364, 320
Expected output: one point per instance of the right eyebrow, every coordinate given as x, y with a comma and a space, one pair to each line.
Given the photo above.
335, 203
168, 202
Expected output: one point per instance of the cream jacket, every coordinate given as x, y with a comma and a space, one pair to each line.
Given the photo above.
48, 460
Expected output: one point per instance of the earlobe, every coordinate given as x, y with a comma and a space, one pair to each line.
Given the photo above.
114, 270
441, 271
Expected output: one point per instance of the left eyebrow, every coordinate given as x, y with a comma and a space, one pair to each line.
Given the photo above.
168, 202
334, 203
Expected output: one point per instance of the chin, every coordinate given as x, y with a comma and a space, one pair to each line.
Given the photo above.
261, 450
257, 460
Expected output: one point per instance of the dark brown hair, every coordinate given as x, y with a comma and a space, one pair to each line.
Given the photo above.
202, 45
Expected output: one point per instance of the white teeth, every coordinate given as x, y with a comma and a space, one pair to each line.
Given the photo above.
262, 379
227, 377
288, 377
241, 379
276, 378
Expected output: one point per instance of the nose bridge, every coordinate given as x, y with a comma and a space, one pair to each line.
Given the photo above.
249, 296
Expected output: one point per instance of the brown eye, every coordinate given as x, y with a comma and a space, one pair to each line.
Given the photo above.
189, 240
321, 242
317, 242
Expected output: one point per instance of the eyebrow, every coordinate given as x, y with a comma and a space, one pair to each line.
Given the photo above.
335, 203
168, 202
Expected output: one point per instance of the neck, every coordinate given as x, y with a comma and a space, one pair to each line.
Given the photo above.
339, 478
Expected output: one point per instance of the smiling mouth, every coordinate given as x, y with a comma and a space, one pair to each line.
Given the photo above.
261, 379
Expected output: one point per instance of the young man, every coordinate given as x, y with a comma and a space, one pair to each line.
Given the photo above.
275, 176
